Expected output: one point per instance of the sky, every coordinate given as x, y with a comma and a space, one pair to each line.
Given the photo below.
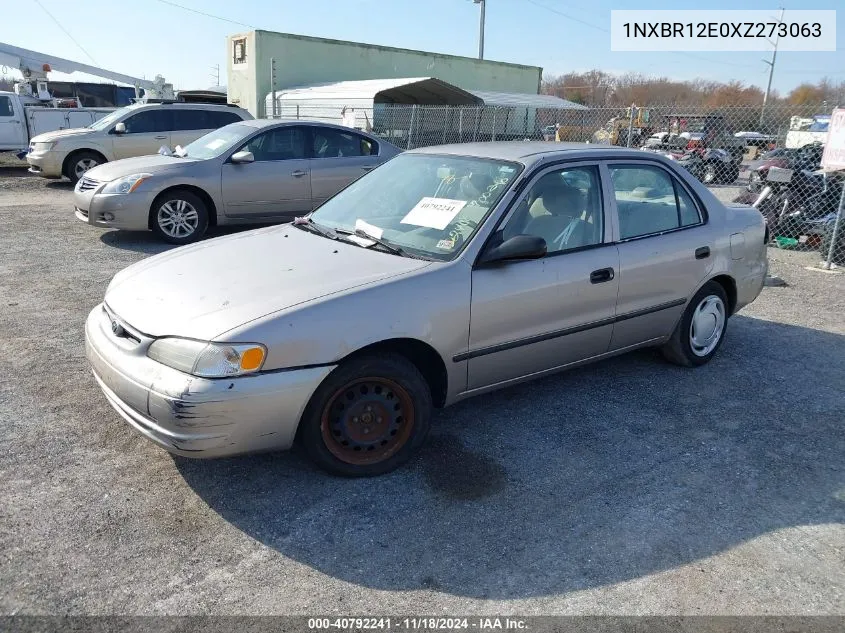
144, 38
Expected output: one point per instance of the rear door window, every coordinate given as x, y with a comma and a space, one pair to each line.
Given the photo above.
184, 120
331, 143
149, 121
218, 118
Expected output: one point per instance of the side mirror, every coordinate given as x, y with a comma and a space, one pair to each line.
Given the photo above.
120, 128
239, 158
519, 247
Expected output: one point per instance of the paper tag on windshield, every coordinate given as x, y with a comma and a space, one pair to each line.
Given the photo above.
369, 229
435, 213
216, 143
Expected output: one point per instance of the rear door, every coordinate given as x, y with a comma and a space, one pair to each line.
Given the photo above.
277, 184
12, 125
146, 132
665, 249
339, 157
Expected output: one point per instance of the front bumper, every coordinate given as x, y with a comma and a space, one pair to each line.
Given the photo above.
128, 211
190, 416
47, 164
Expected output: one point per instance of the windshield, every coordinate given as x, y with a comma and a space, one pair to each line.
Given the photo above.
109, 119
428, 205
217, 142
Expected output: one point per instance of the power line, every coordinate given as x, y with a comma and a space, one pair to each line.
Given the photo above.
208, 15
64, 30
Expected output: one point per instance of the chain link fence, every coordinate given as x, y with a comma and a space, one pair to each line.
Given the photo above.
769, 158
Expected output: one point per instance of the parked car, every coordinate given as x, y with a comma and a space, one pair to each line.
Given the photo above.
251, 171
135, 130
710, 166
445, 273
807, 158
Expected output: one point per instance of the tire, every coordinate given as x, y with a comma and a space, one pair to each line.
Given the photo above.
728, 174
680, 348
710, 175
80, 162
333, 431
176, 211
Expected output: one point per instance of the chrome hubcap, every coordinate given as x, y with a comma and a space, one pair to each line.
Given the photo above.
708, 321
84, 165
178, 218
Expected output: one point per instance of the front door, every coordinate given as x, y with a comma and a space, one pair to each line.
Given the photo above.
338, 158
664, 250
277, 184
532, 316
146, 132
12, 125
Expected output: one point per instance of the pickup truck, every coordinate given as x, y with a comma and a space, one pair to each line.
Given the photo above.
22, 118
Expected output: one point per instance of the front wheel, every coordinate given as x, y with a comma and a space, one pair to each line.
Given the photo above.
369, 416
179, 217
701, 330
79, 163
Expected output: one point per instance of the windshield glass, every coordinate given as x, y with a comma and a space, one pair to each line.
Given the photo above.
216, 142
426, 204
109, 119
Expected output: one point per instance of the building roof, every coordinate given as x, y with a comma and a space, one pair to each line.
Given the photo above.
387, 49
418, 90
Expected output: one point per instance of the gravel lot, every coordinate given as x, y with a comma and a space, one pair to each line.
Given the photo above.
627, 487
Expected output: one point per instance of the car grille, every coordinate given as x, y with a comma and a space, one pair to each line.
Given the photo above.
87, 184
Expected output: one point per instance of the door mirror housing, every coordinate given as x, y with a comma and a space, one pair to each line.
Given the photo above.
120, 128
242, 157
517, 248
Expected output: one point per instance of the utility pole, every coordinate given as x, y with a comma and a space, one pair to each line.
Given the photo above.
483, 4
216, 74
771, 70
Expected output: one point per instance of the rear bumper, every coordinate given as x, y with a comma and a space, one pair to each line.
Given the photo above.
191, 416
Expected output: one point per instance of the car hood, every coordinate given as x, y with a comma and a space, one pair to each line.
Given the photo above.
206, 289
46, 137
128, 166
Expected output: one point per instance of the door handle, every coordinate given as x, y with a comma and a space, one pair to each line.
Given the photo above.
298, 173
601, 275
702, 252
160, 138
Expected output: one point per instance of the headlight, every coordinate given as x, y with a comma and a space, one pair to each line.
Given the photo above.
208, 360
45, 146
127, 184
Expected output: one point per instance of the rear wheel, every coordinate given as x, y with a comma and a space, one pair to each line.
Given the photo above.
179, 217
79, 163
701, 330
368, 417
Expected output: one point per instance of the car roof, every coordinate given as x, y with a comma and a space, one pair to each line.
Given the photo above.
264, 123
529, 152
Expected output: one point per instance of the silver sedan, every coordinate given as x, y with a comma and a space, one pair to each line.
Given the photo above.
445, 273
256, 171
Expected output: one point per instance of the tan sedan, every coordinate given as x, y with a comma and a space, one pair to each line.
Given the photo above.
443, 274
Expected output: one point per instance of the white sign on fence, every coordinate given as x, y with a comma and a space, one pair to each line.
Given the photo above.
834, 149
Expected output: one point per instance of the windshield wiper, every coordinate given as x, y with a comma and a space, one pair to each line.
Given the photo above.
396, 250
310, 225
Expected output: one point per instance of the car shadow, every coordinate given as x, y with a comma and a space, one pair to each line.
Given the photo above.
599, 475
147, 242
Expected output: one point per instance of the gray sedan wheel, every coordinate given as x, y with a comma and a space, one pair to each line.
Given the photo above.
701, 330
179, 217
